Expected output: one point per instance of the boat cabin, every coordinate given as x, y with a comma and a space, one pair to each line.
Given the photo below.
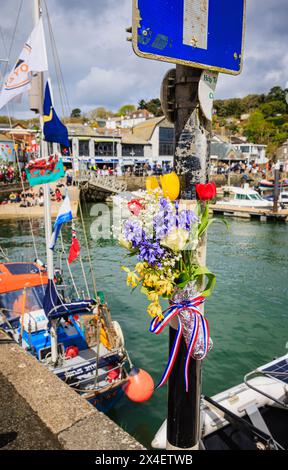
243, 194
22, 289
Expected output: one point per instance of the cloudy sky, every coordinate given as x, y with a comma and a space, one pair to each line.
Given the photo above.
100, 68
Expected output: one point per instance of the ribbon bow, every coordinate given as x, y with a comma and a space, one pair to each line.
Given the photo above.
175, 309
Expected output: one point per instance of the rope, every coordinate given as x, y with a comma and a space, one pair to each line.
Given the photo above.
84, 276
8, 53
59, 74
88, 251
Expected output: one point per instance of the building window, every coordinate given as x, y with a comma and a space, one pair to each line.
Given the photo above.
245, 149
166, 141
84, 148
129, 150
105, 149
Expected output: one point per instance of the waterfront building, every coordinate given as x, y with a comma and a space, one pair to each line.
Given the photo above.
282, 156
251, 152
130, 120
150, 142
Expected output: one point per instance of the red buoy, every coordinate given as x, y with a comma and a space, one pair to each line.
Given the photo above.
140, 386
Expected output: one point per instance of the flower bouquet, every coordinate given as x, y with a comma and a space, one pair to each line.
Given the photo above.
165, 234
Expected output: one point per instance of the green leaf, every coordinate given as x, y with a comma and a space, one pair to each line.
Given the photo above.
204, 221
183, 280
202, 272
132, 253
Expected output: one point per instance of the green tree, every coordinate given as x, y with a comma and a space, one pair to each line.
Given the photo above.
250, 102
154, 107
142, 104
256, 128
271, 108
126, 109
99, 113
76, 113
276, 94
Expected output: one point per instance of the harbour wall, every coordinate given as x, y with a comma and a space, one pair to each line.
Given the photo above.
39, 411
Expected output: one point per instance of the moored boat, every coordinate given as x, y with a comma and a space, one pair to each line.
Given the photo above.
244, 197
91, 358
249, 416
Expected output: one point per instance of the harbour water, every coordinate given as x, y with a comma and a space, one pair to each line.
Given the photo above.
248, 312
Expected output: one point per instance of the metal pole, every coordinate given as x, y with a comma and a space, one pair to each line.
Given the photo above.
192, 158
47, 208
276, 188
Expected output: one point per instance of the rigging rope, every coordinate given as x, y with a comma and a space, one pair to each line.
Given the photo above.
64, 97
68, 265
59, 74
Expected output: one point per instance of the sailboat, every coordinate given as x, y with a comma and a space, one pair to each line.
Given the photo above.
75, 338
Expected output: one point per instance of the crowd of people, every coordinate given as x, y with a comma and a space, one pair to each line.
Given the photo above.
240, 168
136, 170
32, 198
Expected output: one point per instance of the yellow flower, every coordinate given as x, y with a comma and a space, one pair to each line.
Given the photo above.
132, 279
155, 310
124, 243
153, 296
150, 280
176, 240
171, 186
151, 183
140, 268
164, 287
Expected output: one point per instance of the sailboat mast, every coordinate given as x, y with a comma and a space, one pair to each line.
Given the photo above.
44, 153
47, 208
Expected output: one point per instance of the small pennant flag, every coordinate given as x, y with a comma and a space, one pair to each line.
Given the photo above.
64, 215
74, 249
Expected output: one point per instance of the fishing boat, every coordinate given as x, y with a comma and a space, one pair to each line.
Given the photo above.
74, 337
91, 354
249, 416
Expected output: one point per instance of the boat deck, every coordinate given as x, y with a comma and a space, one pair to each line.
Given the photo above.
250, 212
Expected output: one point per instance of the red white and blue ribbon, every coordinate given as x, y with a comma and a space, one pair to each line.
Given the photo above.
174, 310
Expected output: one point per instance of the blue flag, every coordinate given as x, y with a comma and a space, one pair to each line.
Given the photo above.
54, 130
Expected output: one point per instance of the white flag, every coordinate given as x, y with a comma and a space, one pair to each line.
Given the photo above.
33, 58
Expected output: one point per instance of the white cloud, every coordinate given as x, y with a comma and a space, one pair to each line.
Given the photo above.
100, 68
106, 87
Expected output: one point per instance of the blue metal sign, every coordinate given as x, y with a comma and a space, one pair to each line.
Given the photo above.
207, 34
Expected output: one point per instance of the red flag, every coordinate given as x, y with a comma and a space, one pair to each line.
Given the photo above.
74, 249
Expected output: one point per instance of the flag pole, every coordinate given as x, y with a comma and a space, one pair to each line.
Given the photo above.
47, 205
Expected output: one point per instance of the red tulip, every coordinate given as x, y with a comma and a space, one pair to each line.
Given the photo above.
206, 192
